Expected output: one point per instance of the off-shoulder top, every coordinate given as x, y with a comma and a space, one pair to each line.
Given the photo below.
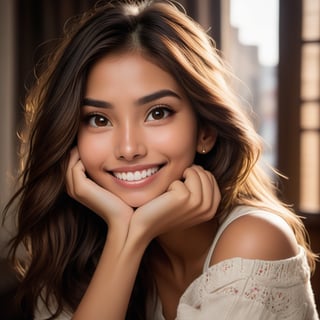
245, 289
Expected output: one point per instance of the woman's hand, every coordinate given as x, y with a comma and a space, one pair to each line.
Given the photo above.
108, 206
186, 203
108, 293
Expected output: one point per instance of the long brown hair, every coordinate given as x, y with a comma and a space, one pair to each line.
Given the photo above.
64, 239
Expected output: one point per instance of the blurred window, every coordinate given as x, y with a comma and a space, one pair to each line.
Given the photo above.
310, 108
250, 43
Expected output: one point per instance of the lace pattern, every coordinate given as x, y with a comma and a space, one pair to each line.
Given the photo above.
279, 287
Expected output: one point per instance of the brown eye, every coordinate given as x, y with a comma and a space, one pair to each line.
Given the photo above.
158, 113
97, 121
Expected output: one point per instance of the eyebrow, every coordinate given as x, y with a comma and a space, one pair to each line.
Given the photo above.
95, 103
157, 95
141, 101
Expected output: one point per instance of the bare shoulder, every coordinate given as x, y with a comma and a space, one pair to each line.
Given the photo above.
263, 237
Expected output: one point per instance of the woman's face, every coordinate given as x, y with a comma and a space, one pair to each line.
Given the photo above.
138, 132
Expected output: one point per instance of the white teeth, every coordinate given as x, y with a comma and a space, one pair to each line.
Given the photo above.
137, 175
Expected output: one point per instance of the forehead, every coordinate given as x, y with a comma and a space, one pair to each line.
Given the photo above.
129, 69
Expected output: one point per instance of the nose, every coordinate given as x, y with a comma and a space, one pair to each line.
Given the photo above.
130, 142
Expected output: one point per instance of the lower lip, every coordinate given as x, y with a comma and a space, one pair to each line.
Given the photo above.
136, 184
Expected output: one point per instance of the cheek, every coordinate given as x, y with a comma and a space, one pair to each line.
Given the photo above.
179, 142
92, 150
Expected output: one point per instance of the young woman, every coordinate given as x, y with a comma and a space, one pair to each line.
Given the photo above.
141, 192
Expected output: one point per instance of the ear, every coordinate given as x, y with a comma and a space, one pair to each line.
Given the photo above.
206, 140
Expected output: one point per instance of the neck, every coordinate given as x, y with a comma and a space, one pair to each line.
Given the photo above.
185, 251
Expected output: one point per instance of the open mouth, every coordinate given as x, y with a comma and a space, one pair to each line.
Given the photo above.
136, 175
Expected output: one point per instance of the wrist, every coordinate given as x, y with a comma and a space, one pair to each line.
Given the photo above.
122, 240
139, 237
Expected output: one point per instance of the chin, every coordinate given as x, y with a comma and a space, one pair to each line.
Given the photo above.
136, 202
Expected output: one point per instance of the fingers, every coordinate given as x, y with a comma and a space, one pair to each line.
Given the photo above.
75, 172
78, 185
87, 192
203, 188
209, 185
74, 158
184, 205
199, 189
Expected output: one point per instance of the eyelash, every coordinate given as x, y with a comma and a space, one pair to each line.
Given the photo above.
91, 117
162, 108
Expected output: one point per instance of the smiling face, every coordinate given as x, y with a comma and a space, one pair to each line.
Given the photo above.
138, 131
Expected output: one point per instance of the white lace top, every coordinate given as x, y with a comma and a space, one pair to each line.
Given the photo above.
242, 289
245, 289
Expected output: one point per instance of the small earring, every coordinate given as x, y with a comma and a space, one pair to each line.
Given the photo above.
203, 149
